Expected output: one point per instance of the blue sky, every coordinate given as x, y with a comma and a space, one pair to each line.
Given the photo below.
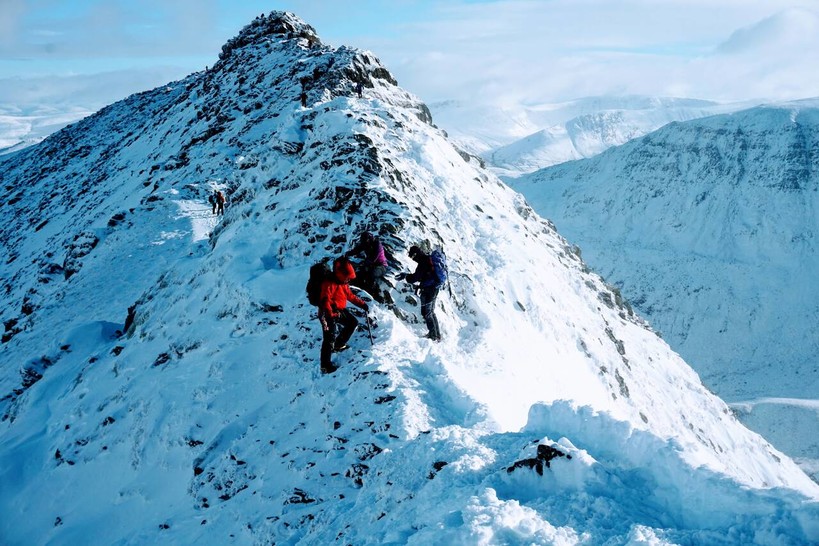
515, 50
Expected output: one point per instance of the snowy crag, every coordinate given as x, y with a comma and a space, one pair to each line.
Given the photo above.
159, 378
711, 229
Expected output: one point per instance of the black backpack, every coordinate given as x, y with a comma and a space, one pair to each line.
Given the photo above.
319, 272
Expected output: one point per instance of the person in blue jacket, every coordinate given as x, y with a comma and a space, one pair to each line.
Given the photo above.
429, 285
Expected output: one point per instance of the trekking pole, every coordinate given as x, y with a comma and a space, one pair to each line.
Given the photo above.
369, 330
366, 316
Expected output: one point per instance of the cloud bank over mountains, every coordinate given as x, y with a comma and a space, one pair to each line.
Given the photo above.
509, 52
539, 54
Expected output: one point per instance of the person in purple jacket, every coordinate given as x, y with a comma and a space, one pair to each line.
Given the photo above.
373, 265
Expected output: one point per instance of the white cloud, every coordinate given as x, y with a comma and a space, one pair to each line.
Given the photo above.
95, 29
551, 50
501, 50
785, 32
85, 91
10, 13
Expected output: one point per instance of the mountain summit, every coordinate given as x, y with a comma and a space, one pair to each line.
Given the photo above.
160, 379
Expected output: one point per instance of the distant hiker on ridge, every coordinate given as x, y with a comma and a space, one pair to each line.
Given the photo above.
335, 293
430, 274
373, 266
218, 202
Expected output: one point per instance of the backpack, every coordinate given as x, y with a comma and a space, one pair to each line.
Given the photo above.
319, 272
439, 267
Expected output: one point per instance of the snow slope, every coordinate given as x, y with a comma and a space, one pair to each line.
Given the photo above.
516, 139
550, 414
710, 229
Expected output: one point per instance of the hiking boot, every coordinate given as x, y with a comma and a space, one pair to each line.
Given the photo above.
433, 337
328, 369
342, 348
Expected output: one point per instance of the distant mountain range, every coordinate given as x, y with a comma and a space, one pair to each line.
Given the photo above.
19, 130
33, 108
520, 139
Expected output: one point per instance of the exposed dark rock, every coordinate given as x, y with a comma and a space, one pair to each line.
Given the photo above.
367, 451
623, 387
116, 219
129, 319
545, 454
81, 246
357, 472
162, 359
436, 467
299, 496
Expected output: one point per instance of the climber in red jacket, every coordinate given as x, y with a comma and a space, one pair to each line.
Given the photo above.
335, 293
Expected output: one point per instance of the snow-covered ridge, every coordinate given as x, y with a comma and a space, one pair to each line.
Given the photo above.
536, 420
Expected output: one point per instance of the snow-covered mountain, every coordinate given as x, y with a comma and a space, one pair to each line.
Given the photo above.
710, 228
516, 139
550, 413
22, 128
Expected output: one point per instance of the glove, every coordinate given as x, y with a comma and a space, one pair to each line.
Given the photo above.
400, 276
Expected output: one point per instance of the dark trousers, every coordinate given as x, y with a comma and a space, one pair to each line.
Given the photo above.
428, 298
348, 324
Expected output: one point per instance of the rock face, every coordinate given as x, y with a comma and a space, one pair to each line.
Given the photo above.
710, 229
204, 417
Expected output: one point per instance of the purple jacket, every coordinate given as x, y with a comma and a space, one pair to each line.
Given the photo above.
373, 253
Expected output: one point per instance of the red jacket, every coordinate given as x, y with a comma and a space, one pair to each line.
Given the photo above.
336, 292
334, 297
